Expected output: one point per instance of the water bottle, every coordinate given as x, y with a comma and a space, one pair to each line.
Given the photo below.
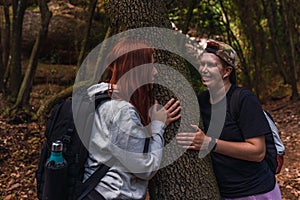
55, 186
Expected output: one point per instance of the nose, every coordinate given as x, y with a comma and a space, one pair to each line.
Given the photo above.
203, 68
154, 72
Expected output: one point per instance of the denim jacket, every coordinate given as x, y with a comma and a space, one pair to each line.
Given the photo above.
118, 137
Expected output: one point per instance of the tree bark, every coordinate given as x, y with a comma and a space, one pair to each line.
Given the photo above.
6, 33
25, 89
6, 45
91, 12
1, 65
288, 23
15, 76
189, 177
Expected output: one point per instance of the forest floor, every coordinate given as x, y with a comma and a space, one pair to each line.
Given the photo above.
21, 142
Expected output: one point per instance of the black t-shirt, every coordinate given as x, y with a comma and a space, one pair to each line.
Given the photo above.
239, 178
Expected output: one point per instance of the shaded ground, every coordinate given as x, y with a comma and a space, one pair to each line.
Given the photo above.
287, 117
21, 142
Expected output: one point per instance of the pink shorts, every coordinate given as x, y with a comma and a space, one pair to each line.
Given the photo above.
272, 195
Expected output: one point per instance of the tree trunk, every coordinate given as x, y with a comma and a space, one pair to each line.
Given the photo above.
6, 45
25, 89
192, 5
288, 23
269, 10
189, 177
15, 76
92, 6
257, 45
6, 32
1, 65
235, 43
279, 33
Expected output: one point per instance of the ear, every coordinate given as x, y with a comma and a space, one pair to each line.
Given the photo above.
228, 70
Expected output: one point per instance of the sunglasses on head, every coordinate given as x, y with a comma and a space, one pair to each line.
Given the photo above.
212, 47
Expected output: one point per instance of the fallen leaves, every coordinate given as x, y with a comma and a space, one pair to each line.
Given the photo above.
288, 122
20, 148
21, 143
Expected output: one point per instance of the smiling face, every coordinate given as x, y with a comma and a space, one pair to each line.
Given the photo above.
214, 72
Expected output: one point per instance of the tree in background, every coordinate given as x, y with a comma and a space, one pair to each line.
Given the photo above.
48, 103
91, 12
1, 65
282, 18
26, 86
14, 64
266, 39
265, 35
5, 46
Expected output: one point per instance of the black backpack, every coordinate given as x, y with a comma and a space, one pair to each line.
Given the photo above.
60, 126
271, 151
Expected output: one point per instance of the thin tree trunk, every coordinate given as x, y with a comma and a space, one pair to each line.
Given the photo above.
192, 6
15, 76
243, 62
25, 89
6, 44
188, 177
67, 92
1, 63
269, 10
6, 32
257, 45
288, 22
91, 12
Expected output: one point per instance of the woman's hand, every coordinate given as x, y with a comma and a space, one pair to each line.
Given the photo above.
193, 141
169, 113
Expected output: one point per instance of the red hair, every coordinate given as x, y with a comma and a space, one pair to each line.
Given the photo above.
128, 54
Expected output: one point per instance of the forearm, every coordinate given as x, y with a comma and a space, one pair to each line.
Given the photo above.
250, 150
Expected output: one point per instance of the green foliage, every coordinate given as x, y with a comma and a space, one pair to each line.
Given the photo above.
196, 80
53, 57
33, 7
281, 91
261, 32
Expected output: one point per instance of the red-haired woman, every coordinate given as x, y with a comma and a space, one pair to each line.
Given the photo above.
123, 123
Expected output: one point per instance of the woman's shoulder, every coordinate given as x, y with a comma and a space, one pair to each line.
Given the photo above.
245, 93
245, 98
117, 104
121, 109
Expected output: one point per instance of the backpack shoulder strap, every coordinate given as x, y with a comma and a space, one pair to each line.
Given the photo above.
234, 103
53, 118
93, 181
99, 97
269, 115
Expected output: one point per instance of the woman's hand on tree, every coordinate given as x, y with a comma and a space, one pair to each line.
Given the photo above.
169, 113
